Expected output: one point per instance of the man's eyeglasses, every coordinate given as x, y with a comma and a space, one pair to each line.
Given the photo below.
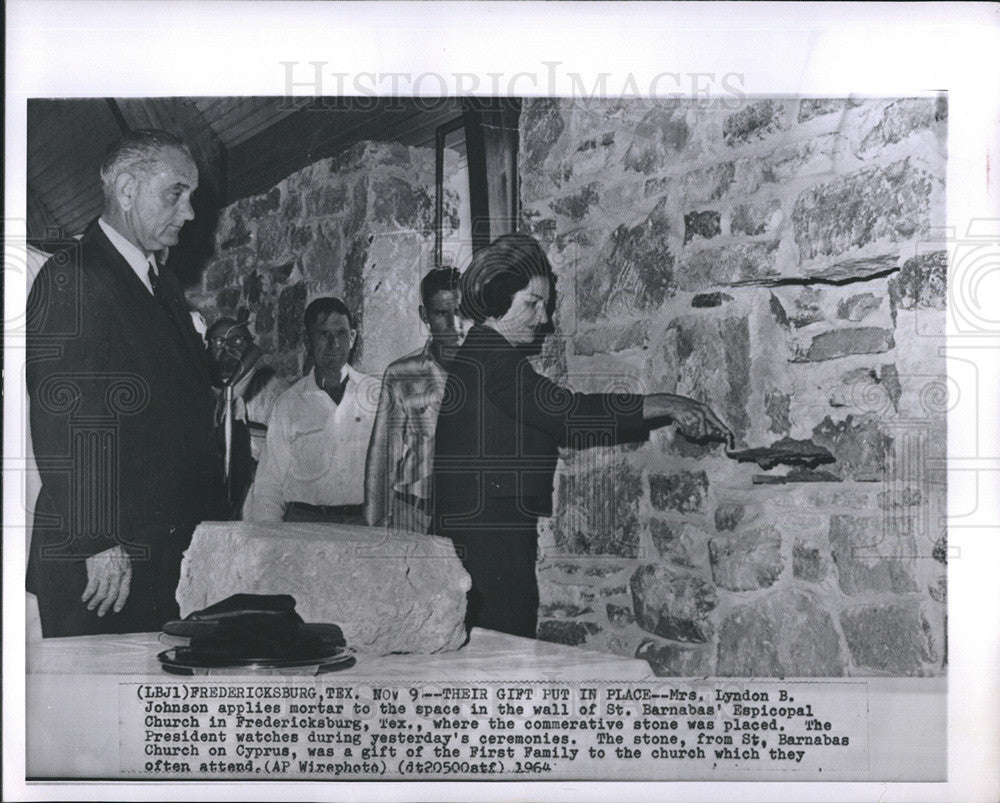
237, 341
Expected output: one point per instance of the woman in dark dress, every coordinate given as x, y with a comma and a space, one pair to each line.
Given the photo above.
501, 424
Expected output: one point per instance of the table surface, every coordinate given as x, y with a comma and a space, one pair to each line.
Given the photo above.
487, 656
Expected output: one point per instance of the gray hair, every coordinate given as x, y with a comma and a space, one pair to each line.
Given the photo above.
137, 151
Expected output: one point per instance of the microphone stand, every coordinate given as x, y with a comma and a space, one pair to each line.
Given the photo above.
243, 366
227, 423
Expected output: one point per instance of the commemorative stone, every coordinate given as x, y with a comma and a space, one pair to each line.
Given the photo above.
388, 591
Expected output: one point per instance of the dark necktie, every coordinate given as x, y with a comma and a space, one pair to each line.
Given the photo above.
337, 391
161, 295
159, 292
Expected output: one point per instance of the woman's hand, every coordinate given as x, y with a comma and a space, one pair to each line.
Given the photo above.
694, 419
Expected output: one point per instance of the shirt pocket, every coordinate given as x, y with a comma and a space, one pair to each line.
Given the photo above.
311, 455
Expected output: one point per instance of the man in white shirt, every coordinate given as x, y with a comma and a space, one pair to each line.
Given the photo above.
312, 467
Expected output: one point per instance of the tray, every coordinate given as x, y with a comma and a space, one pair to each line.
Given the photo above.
180, 661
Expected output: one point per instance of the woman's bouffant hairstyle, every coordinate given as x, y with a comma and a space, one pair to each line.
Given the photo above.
499, 271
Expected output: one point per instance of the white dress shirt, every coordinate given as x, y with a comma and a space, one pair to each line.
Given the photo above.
315, 450
139, 262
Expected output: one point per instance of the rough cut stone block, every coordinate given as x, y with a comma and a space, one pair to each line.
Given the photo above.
672, 604
777, 406
641, 264
353, 158
889, 380
938, 589
598, 511
541, 124
701, 224
859, 445
263, 322
358, 208
748, 560
870, 558
857, 307
678, 542
866, 390
728, 515
900, 498
562, 610
576, 206
612, 338
940, 551
291, 306
269, 202
541, 228
565, 601
891, 202
562, 632
733, 264
898, 120
219, 275
300, 237
271, 239
620, 615
684, 491
327, 199
713, 358
699, 186
253, 286
660, 136
321, 260
227, 300
807, 562
786, 634
292, 207
703, 300
842, 342
921, 283
388, 591
806, 307
814, 107
755, 218
858, 269
396, 201
674, 660
281, 273
239, 233
794, 161
603, 571
754, 122
836, 272
891, 638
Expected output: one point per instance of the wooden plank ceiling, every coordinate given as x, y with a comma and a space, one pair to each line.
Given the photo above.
243, 146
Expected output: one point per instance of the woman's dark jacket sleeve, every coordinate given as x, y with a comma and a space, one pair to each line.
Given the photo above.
501, 424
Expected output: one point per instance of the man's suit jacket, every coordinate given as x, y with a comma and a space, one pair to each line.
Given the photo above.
121, 424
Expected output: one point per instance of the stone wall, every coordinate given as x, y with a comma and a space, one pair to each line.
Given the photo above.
359, 226
776, 260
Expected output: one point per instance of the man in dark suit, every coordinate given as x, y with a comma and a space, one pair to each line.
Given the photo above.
121, 405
